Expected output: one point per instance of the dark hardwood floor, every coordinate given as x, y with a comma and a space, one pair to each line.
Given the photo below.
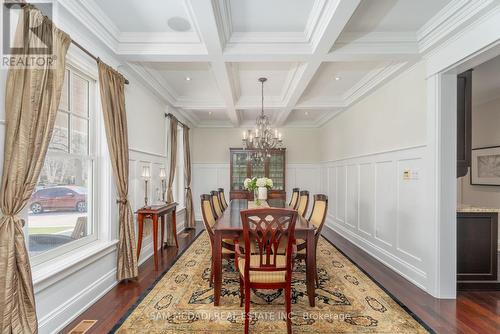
471, 312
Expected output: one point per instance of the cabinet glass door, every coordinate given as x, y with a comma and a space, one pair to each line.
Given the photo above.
277, 169
258, 169
239, 172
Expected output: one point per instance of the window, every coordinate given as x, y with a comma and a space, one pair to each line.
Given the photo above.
61, 208
179, 191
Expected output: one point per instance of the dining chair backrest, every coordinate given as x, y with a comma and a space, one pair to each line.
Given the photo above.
318, 213
295, 198
216, 203
268, 228
303, 202
208, 213
222, 198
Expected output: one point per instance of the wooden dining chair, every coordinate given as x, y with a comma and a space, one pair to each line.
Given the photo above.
317, 218
222, 198
303, 202
216, 203
295, 198
209, 220
264, 267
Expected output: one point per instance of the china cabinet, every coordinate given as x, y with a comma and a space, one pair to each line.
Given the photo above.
241, 168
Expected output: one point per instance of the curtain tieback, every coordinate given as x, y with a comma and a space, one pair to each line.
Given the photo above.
122, 201
15, 217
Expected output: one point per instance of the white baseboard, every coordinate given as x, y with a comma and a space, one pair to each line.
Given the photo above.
67, 312
403, 268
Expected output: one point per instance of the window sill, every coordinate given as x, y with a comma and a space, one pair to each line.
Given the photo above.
50, 272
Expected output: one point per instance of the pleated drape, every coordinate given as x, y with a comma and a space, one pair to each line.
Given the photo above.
171, 176
31, 100
112, 88
189, 223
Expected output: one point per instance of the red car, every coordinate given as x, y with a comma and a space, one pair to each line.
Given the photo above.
59, 198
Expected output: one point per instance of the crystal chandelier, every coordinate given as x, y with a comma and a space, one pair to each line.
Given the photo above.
263, 138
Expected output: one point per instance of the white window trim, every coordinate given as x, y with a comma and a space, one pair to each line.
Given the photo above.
102, 241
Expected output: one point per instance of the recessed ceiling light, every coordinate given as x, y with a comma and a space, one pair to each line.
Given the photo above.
188, 78
306, 113
337, 78
179, 24
210, 113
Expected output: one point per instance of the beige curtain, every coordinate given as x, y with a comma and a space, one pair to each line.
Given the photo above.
173, 164
187, 180
31, 100
112, 87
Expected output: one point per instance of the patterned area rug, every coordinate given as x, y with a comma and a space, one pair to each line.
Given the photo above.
347, 301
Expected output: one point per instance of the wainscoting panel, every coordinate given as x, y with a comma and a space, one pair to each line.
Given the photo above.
385, 200
366, 199
376, 202
341, 193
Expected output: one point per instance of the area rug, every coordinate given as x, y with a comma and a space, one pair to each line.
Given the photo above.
347, 301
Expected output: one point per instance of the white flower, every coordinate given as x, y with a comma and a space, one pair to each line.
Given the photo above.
261, 182
269, 183
246, 183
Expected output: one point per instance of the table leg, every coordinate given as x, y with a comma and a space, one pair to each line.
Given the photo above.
217, 267
174, 227
139, 235
155, 240
162, 229
311, 268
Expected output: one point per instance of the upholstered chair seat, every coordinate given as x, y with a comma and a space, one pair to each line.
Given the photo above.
264, 276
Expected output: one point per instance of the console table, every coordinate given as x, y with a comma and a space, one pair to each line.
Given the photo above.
154, 213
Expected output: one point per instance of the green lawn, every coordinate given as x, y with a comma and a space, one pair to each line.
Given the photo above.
49, 230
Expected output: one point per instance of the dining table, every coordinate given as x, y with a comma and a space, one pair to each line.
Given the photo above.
229, 226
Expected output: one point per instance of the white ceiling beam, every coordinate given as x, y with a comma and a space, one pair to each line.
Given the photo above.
205, 18
337, 14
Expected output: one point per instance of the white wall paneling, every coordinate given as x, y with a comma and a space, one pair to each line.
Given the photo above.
208, 177
372, 205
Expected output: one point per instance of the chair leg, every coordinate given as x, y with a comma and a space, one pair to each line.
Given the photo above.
288, 308
247, 308
242, 292
316, 275
211, 279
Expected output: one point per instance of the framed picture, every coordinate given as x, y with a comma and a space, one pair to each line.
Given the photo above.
485, 169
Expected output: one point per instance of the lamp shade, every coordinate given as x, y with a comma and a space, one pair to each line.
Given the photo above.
146, 172
163, 173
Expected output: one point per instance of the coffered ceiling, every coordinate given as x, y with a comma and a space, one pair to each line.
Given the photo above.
203, 57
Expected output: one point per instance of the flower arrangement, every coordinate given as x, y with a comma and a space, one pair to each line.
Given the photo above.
254, 183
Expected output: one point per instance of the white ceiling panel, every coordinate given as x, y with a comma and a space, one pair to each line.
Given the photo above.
335, 79
189, 80
147, 15
278, 77
393, 15
307, 117
270, 16
207, 116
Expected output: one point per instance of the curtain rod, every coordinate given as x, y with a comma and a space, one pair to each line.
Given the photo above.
78, 45
169, 115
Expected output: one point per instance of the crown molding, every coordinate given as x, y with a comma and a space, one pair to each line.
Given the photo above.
199, 103
448, 20
153, 80
371, 81
92, 17
159, 37
314, 18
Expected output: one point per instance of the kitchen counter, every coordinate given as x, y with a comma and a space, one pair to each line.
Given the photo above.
470, 208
